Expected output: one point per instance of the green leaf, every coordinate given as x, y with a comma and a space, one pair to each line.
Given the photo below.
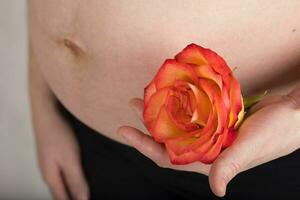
249, 101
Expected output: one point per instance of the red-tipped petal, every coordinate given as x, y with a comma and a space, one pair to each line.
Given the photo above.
190, 156
229, 138
191, 54
203, 105
171, 71
149, 90
236, 101
152, 108
214, 151
183, 159
225, 97
192, 140
216, 100
195, 54
178, 115
205, 71
164, 128
187, 149
179, 152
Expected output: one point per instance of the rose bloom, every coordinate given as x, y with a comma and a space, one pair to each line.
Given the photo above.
193, 105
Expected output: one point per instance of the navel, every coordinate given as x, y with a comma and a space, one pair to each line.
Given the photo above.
75, 48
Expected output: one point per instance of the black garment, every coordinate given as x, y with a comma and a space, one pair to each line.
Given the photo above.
116, 171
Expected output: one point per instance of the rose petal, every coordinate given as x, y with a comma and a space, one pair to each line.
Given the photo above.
195, 54
190, 156
152, 107
229, 138
205, 71
203, 107
192, 54
175, 146
178, 115
191, 141
225, 96
206, 153
236, 102
214, 151
187, 99
180, 144
149, 90
164, 128
184, 158
216, 100
186, 149
171, 70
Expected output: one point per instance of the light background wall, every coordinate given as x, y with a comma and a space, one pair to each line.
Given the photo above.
19, 174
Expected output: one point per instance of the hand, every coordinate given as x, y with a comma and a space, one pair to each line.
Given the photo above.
272, 126
57, 148
271, 131
59, 160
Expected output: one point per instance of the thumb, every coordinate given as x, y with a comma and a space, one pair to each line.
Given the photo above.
228, 164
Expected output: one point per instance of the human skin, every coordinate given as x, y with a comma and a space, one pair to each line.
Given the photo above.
58, 151
93, 60
271, 125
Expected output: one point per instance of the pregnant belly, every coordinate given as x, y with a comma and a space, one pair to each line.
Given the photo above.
96, 61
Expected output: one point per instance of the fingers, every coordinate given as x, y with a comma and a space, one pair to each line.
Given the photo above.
138, 106
55, 182
228, 164
69, 179
194, 167
75, 180
145, 144
157, 152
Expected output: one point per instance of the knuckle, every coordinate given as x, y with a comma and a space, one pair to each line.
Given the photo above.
227, 173
49, 180
46, 175
232, 170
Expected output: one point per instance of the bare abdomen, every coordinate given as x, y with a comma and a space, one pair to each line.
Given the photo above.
96, 55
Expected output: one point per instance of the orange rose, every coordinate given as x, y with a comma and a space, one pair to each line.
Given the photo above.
193, 105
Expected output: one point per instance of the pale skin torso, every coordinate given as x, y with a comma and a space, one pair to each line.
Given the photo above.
96, 55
